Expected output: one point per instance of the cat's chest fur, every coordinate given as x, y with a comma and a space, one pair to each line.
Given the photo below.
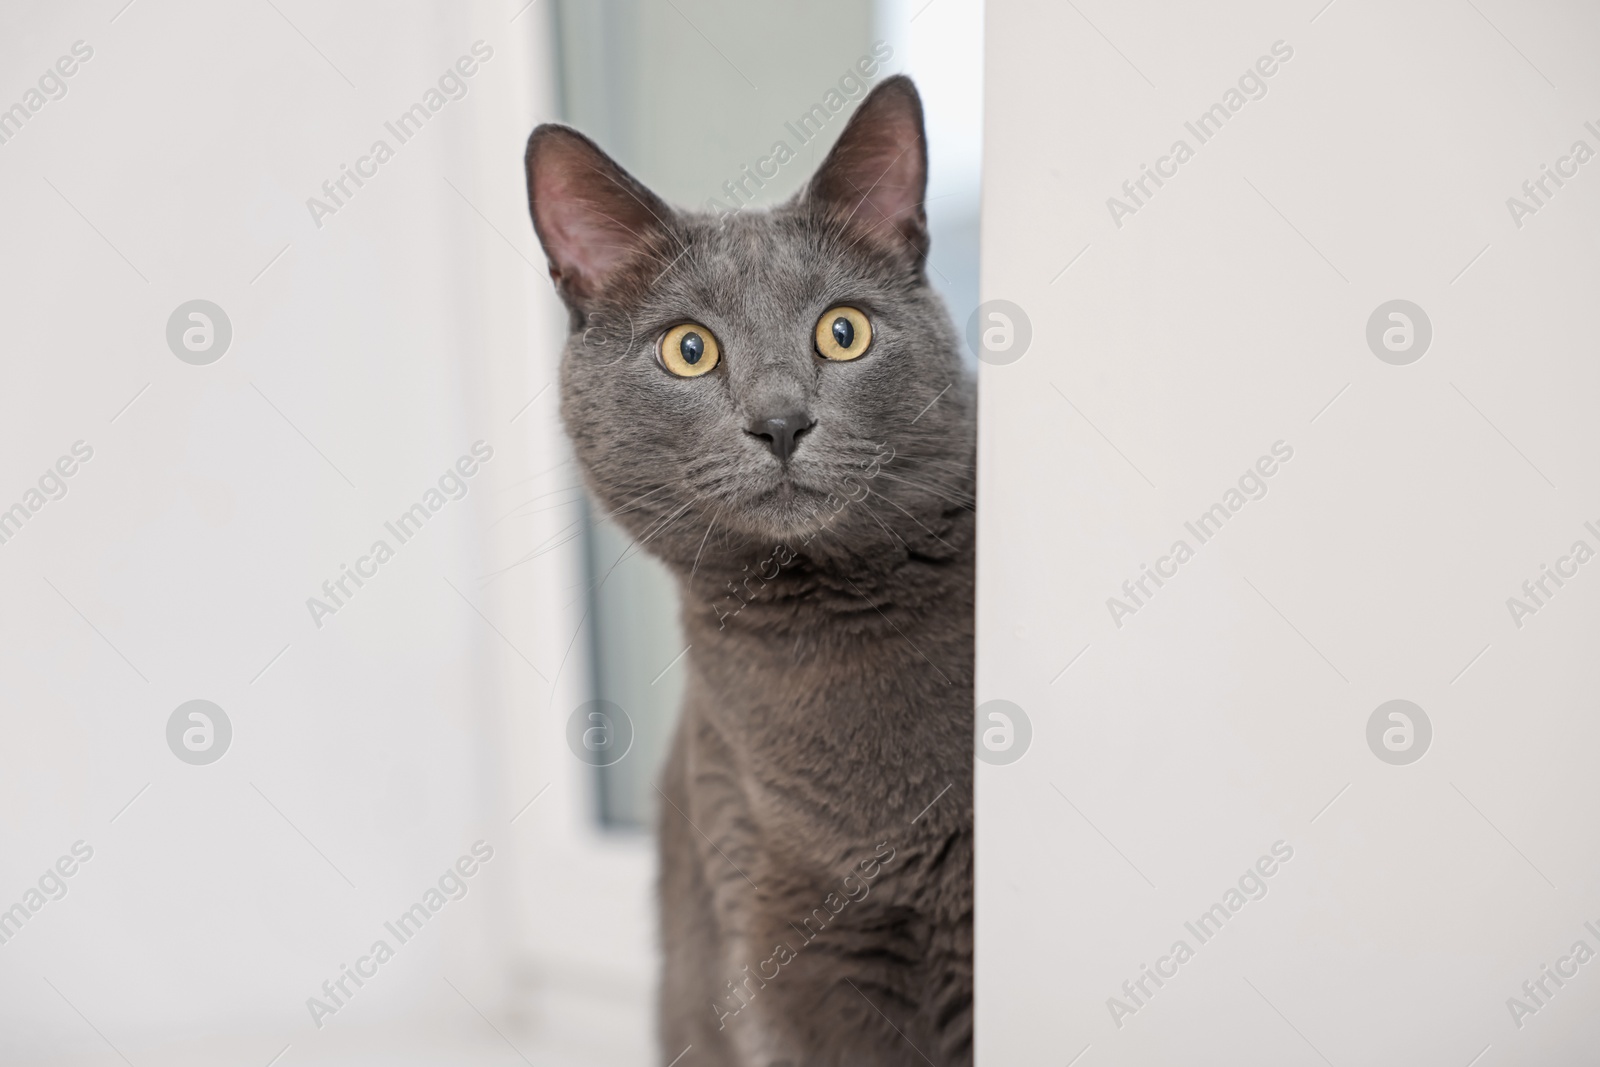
826, 734
841, 705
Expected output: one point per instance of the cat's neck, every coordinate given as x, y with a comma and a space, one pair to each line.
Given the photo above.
792, 587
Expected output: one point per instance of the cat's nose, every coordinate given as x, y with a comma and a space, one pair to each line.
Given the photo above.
781, 433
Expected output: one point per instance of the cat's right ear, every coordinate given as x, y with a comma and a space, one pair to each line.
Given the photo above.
594, 219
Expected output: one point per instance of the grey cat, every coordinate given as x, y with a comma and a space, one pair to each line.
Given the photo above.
773, 402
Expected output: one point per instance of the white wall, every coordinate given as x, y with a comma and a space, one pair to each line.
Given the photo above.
1230, 712
367, 354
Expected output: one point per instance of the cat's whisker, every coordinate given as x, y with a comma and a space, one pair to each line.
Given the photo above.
938, 492
535, 477
551, 544
517, 511
702, 548
913, 467
636, 503
914, 519
880, 522
535, 553
528, 514
638, 546
626, 552
905, 455
662, 524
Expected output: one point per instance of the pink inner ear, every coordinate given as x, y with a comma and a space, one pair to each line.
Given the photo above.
889, 182
582, 233
874, 179
591, 218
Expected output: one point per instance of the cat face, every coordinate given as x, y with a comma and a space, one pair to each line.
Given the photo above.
764, 377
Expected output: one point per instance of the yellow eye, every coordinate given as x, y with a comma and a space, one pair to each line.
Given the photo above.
843, 333
689, 350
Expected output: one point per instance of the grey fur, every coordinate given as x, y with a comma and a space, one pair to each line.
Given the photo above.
828, 600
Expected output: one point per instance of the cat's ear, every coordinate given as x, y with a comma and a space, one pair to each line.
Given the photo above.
876, 175
594, 219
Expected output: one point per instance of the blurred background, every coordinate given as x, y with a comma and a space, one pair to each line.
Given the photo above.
257, 341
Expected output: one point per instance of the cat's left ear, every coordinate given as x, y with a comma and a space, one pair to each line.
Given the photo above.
874, 179
596, 221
